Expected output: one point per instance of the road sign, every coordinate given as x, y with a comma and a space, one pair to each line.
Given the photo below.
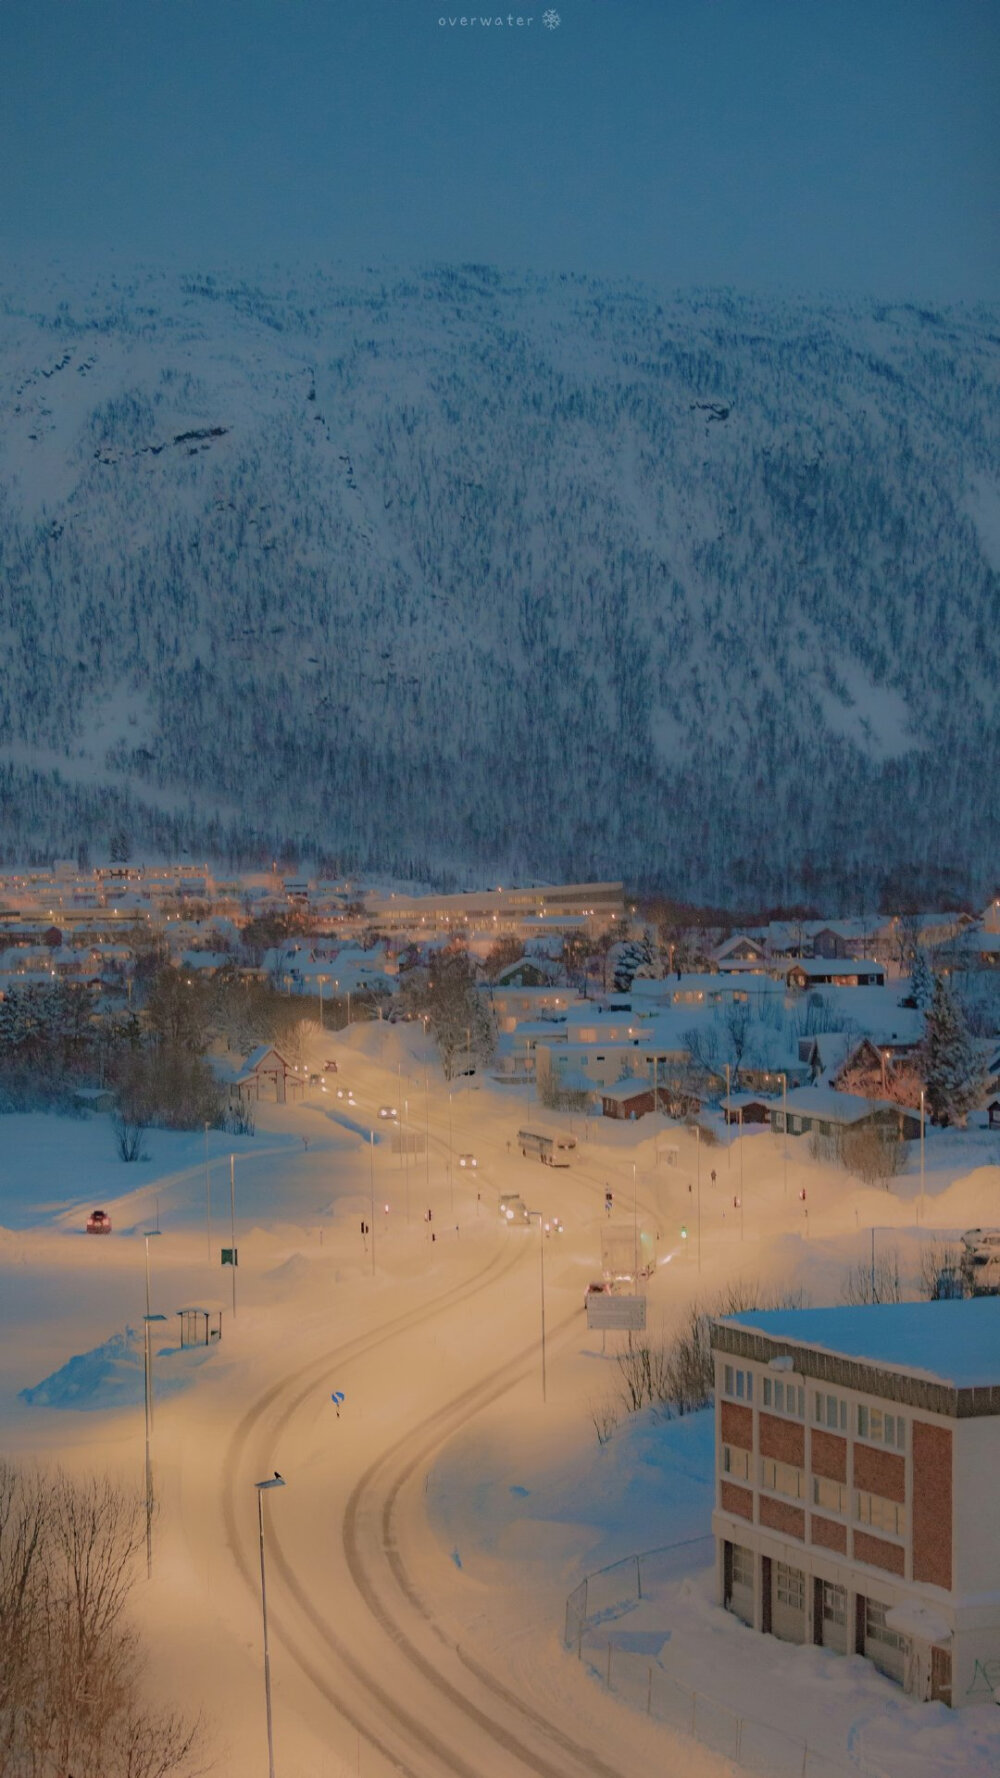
624, 1313
230, 1256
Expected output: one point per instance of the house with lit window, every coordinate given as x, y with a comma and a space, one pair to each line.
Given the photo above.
857, 1451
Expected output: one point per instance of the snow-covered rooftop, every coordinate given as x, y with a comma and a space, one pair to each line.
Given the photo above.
954, 1342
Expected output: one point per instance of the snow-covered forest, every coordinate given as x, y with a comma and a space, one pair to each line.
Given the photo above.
464, 575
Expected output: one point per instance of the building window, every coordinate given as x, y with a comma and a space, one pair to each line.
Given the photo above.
832, 1496
875, 1626
881, 1428
879, 1513
738, 1384
831, 1411
742, 1567
790, 1586
785, 1398
736, 1462
782, 1478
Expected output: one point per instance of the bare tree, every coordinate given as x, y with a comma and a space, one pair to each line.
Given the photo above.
129, 1132
940, 1271
70, 1663
875, 1280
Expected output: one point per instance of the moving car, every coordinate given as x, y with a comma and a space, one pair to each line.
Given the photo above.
387, 1111
330, 1067
98, 1223
467, 1160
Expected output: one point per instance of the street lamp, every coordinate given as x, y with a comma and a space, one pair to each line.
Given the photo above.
923, 1207
148, 1393
148, 1235
275, 1481
208, 1200
541, 1254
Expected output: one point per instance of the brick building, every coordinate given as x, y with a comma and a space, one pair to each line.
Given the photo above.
857, 1451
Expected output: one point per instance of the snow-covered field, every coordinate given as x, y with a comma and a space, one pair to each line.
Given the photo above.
429, 1534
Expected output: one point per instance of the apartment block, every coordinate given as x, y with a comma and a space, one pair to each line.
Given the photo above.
857, 1456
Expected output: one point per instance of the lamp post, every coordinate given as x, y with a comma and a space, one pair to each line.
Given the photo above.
729, 1145
208, 1200
541, 1254
635, 1228
275, 1481
923, 1095
371, 1225
784, 1129
148, 1235
451, 1168
148, 1393
699, 1203
406, 1156
232, 1223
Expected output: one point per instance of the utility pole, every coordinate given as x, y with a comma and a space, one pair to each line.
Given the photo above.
208, 1200
923, 1207
232, 1223
371, 1156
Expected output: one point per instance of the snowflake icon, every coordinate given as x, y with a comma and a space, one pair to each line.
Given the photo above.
551, 20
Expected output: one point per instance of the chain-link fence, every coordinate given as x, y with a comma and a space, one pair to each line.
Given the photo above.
624, 1664
609, 1591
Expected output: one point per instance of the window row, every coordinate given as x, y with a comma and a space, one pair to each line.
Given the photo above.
829, 1411
785, 1398
738, 1383
870, 1509
882, 1428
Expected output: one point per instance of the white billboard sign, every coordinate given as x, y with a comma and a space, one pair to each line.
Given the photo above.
622, 1313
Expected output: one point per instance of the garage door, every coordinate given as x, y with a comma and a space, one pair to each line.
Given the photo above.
788, 1605
885, 1648
832, 1602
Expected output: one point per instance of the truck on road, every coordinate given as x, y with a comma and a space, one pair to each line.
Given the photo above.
627, 1253
555, 1151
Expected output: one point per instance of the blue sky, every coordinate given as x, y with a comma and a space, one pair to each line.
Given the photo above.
852, 145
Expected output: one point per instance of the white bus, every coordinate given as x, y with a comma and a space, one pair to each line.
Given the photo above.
555, 1151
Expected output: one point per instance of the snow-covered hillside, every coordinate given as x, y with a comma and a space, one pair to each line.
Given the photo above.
464, 575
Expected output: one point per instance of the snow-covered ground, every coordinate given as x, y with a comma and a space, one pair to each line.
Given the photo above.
430, 1532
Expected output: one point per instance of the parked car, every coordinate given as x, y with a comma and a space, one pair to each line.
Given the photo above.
467, 1160
98, 1223
388, 1111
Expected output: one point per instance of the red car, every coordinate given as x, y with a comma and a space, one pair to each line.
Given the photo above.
98, 1223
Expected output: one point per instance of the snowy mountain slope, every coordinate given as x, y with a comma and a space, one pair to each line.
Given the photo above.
466, 574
